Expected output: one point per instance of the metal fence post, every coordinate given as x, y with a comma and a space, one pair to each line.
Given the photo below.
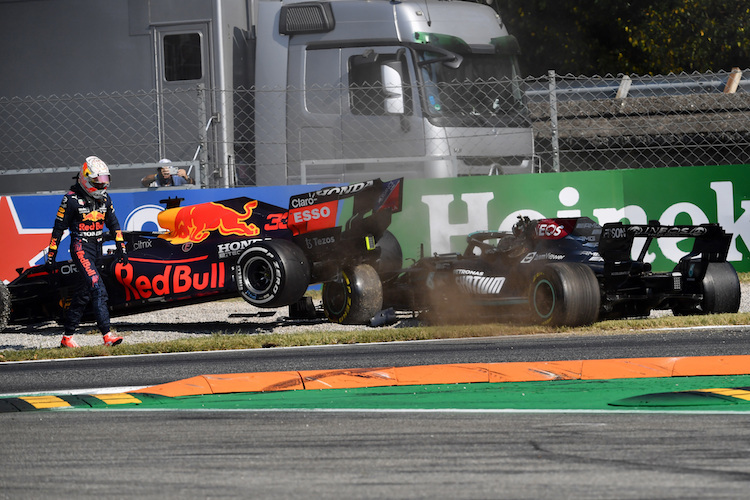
553, 121
203, 136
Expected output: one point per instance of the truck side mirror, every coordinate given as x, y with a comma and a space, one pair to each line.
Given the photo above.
393, 88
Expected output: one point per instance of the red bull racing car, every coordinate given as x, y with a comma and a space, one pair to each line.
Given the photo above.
266, 254
569, 271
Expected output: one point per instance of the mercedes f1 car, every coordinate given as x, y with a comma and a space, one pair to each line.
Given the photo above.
266, 254
569, 271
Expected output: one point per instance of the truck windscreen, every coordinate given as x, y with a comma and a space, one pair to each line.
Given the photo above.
477, 88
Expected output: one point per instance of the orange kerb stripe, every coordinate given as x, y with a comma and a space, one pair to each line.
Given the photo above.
594, 369
254, 382
189, 387
442, 374
534, 371
712, 365
455, 374
349, 378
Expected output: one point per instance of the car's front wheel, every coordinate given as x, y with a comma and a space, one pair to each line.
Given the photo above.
564, 294
272, 273
355, 297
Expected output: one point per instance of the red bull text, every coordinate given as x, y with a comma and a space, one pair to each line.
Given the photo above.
171, 280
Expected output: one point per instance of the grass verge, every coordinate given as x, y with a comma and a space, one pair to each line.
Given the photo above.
258, 341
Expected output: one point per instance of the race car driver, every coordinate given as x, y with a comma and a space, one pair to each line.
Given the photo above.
85, 210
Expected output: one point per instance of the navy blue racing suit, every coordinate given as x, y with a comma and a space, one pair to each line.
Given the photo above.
86, 217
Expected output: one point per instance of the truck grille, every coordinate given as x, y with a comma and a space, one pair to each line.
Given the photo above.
306, 18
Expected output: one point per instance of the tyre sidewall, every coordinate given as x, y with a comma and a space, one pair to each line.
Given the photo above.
564, 294
391, 256
286, 269
337, 297
721, 289
355, 298
545, 297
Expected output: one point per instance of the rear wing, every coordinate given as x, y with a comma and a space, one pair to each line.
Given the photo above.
343, 224
711, 241
373, 203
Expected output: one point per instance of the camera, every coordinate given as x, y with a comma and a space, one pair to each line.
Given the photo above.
170, 170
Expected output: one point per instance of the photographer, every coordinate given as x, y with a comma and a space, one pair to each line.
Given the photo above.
167, 175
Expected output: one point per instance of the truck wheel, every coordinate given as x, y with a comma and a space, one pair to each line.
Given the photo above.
355, 298
565, 294
721, 292
4, 306
272, 273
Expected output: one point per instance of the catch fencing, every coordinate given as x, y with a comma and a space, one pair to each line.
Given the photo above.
579, 123
605, 123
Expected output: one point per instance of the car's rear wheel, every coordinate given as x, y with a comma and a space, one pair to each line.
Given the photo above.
4, 306
564, 294
272, 273
355, 297
391, 257
720, 288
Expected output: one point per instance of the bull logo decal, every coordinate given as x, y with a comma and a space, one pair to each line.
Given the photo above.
193, 224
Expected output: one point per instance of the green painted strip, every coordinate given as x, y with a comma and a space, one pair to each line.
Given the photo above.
77, 401
647, 394
547, 395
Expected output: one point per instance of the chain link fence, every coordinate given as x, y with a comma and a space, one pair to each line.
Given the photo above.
44, 140
278, 136
604, 123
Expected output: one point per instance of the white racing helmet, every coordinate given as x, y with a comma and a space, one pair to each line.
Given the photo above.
94, 177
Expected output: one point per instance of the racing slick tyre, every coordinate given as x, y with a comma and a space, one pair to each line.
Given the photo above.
272, 273
721, 292
565, 294
4, 306
391, 258
355, 298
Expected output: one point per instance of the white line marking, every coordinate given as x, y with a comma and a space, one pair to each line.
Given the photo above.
427, 410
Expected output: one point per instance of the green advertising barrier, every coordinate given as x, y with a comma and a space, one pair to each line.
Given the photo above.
439, 213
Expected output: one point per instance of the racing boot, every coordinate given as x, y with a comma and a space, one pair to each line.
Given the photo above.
110, 339
67, 341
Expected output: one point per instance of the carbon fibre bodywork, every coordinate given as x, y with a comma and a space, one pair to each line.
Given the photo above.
267, 254
569, 271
